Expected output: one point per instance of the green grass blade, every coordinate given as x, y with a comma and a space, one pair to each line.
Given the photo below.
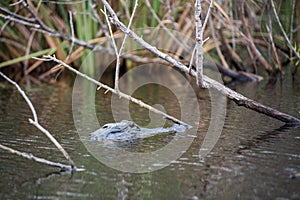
23, 58
155, 7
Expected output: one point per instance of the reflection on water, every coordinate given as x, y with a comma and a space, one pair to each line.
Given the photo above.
253, 158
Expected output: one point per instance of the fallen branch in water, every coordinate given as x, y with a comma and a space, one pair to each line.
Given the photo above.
40, 160
35, 120
232, 95
119, 93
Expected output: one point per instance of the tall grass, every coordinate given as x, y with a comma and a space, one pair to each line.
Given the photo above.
14, 37
86, 29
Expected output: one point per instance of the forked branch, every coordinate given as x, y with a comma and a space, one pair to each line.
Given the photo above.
236, 97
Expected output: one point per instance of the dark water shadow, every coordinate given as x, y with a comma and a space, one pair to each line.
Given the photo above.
266, 136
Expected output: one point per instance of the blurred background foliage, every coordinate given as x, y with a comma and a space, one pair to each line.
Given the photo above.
238, 29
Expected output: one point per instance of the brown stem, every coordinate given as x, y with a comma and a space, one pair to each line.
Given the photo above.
250, 41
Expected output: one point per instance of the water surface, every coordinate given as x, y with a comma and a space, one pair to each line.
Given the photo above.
253, 159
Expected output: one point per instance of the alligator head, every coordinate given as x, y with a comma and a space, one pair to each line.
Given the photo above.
129, 131
124, 130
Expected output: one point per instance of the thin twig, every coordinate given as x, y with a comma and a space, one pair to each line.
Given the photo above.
128, 27
14, 14
24, 96
75, 40
117, 74
37, 19
10, 18
116, 51
192, 58
207, 16
118, 54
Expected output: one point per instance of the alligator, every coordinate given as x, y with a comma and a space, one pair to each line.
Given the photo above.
126, 131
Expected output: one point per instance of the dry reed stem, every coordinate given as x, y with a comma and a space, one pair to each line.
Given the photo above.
164, 27
283, 31
251, 43
270, 34
223, 60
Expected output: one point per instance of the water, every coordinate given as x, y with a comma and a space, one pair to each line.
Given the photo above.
253, 159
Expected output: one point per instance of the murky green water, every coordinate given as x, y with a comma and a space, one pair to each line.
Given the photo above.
253, 158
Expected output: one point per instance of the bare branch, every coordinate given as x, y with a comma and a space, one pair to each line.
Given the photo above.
35, 119
236, 97
75, 40
116, 51
117, 74
10, 18
199, 43
120, 94
207, 16
40, 160
16, 15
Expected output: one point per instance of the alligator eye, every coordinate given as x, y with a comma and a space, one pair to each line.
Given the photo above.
113, 132
105, 126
